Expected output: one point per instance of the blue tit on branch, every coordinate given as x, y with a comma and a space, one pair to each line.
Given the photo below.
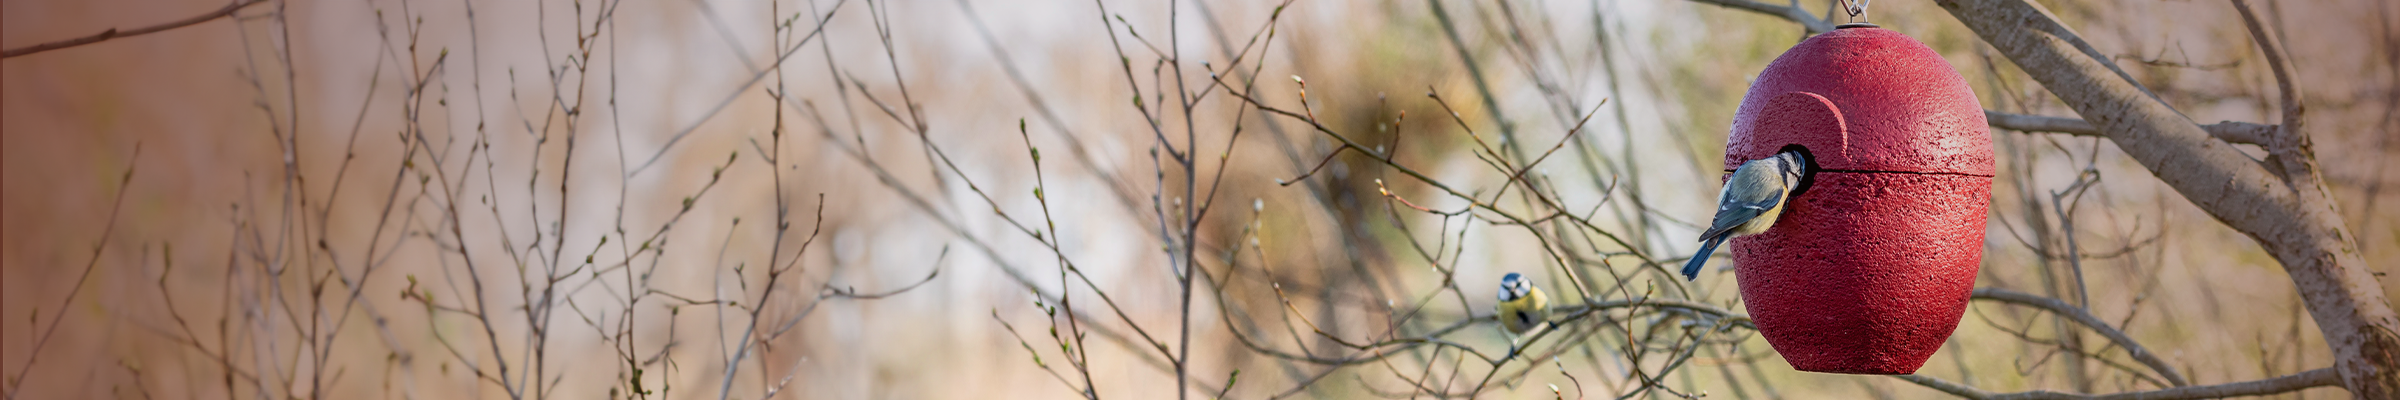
1522, 306
1751, 201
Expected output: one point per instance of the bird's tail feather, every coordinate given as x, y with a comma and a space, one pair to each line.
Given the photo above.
1691, 269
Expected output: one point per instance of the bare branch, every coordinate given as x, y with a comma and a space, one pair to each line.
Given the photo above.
1793, 13
737, 93
2084, 317
2236, 132
107, 231
113, 33
2288, 383
2291, 143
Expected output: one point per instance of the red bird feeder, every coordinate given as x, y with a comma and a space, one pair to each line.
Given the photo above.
1872, 262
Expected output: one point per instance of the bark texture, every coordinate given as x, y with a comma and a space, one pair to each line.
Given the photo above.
2281, 202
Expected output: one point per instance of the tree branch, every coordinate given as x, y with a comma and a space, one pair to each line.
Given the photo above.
2281, 203
2084, 317
2292, 143
2236, 132
2287, 383
113, 33
1793, 13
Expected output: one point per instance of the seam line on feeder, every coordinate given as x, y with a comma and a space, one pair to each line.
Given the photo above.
1862, 171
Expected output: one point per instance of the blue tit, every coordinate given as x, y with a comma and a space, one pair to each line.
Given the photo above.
1751, 201
1522, 306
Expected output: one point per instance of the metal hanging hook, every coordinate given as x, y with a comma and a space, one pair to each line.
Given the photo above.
1857, 10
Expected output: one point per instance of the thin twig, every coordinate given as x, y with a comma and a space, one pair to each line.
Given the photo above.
107, 231
1794, 13
113, 33
2084, 317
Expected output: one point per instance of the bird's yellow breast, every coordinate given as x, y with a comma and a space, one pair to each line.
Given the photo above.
1526, 312
1759, 224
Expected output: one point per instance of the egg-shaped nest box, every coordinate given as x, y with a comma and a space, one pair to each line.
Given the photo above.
1871, 265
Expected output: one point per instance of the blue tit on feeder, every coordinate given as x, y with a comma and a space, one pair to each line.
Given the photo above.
1751, 200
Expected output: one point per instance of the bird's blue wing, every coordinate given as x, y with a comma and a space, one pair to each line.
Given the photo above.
1732, 215
1735, 206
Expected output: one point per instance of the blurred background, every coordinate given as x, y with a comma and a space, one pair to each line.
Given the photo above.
838, 198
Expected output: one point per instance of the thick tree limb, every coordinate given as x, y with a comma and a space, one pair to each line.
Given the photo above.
2084, 317
2236, 132
113, 33
2282, 384
2287, 210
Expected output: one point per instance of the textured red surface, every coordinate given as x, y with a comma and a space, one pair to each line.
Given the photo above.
1869, 269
